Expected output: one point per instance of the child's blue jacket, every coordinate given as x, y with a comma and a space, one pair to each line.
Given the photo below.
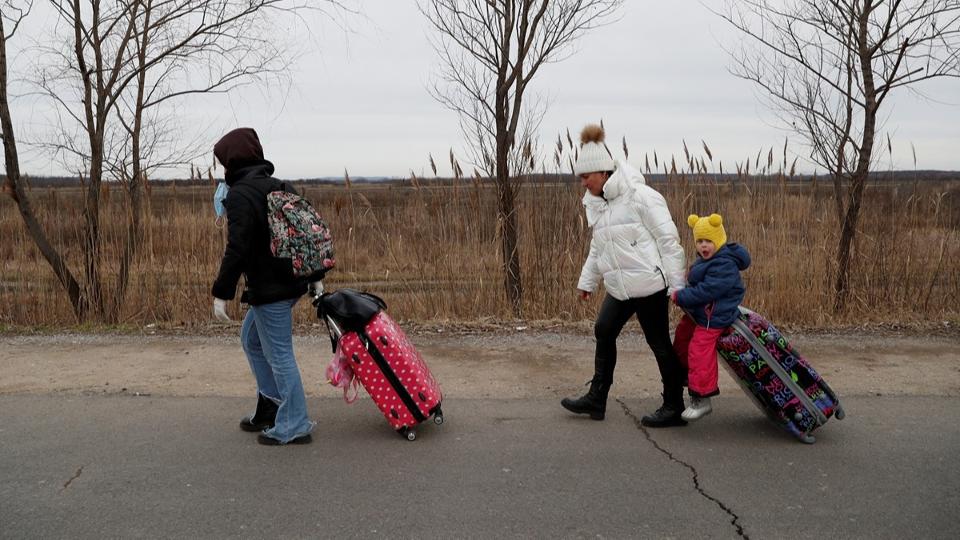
715, 287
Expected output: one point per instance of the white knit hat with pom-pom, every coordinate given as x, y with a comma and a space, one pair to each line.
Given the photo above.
594, 156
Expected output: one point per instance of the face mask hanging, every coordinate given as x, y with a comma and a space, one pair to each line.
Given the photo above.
218, 197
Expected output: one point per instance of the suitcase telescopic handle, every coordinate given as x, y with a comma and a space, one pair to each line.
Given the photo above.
332, 327
785, 377
335, 330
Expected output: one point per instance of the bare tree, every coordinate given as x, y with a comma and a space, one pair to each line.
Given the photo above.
184, 48
490, 51
118, 62
828, 67
114, 50
11, 15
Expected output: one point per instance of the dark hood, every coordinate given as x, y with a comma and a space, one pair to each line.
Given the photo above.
254, 169
239, 148
737, 254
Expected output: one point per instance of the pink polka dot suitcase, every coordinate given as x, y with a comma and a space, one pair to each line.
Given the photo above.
381, 356
394, 374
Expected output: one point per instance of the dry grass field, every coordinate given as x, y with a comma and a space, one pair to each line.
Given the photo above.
432, 250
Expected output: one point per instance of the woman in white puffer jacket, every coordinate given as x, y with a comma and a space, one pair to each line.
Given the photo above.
636, 252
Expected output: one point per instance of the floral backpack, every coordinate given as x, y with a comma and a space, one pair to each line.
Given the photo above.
299, 233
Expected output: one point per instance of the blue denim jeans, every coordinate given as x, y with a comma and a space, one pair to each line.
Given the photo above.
267, 337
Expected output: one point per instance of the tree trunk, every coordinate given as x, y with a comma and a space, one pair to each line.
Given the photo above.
91, 233
138, 177
859, 180
506, 211
847, 234
16, 191
133, 238
507, 214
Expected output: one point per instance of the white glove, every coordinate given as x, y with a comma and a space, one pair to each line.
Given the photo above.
220, 310
316, 288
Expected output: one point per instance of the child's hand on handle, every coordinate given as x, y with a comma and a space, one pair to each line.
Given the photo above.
584, 295
220, 309
316, 288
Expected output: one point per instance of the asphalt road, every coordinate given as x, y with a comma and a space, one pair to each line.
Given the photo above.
124, 466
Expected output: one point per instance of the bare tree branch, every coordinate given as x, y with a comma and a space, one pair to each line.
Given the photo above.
490, 51
11, 16
828, 66
114, 71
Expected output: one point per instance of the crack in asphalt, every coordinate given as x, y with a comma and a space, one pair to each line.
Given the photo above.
735, 519
72, 478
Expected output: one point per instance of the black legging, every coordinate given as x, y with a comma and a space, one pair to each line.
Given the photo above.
654, 319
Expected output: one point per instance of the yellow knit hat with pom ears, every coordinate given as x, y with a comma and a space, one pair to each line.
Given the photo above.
708, 228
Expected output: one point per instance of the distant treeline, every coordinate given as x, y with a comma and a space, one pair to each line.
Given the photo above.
878, 176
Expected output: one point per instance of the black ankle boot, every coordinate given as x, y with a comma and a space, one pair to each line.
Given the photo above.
668, 415
594, 402
263, 418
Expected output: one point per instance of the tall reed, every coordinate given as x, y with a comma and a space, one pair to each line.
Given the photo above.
432, 250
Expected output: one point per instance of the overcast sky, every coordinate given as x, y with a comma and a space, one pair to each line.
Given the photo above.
657, 76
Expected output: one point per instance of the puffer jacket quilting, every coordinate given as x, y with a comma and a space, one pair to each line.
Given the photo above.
635, 247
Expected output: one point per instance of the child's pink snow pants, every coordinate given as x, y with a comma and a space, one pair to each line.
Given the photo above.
696, 347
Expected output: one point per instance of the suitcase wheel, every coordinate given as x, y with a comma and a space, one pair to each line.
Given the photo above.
410, 434
438, 419
838, 413
806, 438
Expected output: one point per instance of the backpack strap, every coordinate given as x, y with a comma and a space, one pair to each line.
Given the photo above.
289, 188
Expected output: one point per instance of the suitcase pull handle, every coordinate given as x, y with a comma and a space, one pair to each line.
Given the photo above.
383, 340
356, 358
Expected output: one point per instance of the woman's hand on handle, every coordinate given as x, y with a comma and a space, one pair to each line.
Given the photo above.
584, 295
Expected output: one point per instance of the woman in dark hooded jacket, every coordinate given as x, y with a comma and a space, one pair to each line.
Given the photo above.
271, 290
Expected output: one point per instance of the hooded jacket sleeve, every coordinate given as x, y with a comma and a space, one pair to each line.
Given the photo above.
656, 218
589, 274
233, 264
719, 278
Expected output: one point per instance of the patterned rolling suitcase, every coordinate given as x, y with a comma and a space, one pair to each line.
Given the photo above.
777, 379
387, 364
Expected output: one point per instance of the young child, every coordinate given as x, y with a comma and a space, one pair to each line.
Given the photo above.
710, 301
